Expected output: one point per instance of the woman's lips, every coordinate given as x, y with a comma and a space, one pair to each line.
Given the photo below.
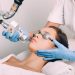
33, 40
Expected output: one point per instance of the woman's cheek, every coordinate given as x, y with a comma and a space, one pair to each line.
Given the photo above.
40, 45
43, 45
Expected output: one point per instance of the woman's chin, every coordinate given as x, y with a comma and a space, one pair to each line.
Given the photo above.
32, 49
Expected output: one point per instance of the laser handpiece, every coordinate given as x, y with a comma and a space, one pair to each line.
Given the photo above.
13, 9
14, 27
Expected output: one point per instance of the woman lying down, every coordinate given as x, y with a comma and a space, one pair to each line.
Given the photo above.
38, 42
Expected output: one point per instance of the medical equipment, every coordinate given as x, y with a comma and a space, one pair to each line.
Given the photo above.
14, 27
13, 9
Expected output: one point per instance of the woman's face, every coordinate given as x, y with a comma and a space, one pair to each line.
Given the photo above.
40, 43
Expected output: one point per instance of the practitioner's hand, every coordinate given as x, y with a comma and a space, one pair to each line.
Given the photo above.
16, 36
58, 53
8, 35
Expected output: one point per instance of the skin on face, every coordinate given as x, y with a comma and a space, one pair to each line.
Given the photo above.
39, 43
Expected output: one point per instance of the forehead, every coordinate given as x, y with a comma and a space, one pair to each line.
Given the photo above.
51, 31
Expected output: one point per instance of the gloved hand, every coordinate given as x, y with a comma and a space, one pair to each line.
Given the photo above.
8, 35
16, 36
59, 53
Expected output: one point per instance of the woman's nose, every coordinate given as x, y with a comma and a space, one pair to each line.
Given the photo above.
35, 35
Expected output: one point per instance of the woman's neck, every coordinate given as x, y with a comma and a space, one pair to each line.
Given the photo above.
34, 62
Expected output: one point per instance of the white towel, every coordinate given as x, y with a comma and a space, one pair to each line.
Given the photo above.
7, 58
10, 70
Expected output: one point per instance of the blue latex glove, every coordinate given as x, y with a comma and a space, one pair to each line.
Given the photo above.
15, 36
8, 35
58, 53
